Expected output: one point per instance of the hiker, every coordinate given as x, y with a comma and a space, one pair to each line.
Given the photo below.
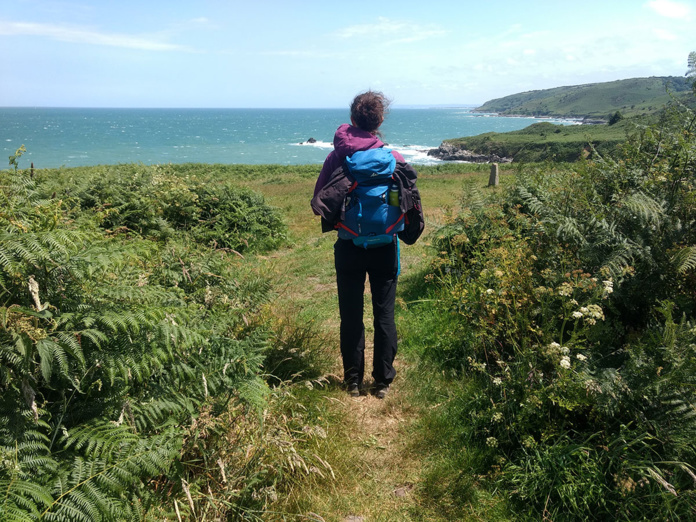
359, 250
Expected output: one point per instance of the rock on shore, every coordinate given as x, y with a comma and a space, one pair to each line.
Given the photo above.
449, 152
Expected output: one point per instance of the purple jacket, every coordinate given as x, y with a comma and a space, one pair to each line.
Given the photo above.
347, 140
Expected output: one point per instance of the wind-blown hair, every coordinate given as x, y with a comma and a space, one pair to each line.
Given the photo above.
368, 110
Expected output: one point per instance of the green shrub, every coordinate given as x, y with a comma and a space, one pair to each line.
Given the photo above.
237, 219
574, 297
158, 202
111, 347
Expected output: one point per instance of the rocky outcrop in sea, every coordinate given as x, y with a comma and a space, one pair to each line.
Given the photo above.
449, 152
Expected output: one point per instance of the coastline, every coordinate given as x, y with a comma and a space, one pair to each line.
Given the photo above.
579, 120
87, 137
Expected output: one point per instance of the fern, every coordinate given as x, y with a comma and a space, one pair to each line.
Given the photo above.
474, 198
649, 211
24, 465
685, 259
92, 490
22, 500
532, 201
130, 339
109, 460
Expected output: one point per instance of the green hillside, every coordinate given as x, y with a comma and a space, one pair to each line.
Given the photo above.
634, 96
545, 141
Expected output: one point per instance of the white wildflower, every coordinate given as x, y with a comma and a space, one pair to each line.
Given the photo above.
565, 290
584, 310
565, 362
492, 442
554, 346
497, 381
595, 311
481, 367
565, 350
497, 417
608, 288
580, 357
490, 291
577, 315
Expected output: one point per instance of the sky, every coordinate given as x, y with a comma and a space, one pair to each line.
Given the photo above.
310, 54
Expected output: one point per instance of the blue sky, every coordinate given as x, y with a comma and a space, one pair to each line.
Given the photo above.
214, 53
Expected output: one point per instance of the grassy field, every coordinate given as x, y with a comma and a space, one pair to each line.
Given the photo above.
378, 450
549, 142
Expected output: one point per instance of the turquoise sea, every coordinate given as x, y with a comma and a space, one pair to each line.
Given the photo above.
56, 137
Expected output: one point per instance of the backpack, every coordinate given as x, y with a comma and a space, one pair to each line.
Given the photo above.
370, 221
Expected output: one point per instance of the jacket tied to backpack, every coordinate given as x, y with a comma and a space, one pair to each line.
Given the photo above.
355, 200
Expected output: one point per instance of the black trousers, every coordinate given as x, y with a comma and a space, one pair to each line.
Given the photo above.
381, 264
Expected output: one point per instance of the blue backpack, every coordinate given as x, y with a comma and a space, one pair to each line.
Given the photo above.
370, 221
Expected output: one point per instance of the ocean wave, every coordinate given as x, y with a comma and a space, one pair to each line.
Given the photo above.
416, 154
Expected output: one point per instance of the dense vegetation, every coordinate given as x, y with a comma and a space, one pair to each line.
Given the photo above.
632, 97
134, 346
548, 142
562, 309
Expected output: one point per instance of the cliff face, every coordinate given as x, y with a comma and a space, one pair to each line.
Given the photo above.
450, 152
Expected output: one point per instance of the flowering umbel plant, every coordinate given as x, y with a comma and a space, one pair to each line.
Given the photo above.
573, 296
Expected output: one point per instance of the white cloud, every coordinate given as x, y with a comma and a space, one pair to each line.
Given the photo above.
85, 36
670, 9
391, 30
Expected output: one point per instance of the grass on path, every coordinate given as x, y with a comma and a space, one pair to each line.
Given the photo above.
375, 448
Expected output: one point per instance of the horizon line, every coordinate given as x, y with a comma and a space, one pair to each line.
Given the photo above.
395, 106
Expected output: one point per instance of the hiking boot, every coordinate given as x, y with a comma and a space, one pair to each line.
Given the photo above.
381, 390
353, 389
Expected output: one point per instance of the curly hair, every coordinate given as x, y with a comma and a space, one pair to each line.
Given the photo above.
368, 110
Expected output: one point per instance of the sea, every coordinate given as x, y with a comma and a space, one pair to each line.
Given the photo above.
71, 137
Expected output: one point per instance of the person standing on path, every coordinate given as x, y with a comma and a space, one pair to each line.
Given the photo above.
353, 263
